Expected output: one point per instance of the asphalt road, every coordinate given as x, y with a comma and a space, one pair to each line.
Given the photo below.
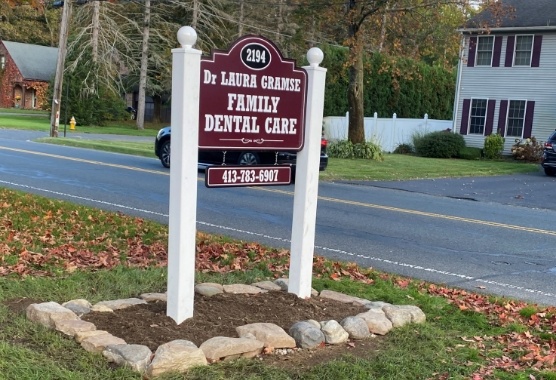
492, 235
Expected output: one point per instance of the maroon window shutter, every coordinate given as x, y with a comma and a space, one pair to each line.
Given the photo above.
472, 48
465, 116
537, 43
529, 112
509, 51
490, 116
497, 51
502, 117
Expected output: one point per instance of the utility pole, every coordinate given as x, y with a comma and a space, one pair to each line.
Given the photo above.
58, 80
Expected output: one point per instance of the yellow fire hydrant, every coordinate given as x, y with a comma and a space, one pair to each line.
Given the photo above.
72, 123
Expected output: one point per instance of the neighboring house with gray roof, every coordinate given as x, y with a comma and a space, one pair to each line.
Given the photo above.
25, 72
506, 80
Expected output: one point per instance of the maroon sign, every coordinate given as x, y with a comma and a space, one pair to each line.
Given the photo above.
224, 176
251, 98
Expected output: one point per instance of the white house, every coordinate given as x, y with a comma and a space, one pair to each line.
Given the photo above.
506, 75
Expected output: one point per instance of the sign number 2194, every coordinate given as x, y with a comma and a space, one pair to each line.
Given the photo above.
255, 56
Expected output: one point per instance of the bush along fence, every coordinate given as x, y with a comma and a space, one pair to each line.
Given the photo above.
389, 133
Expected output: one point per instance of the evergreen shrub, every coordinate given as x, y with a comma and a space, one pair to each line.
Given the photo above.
346, 149
403, 149
440, 144
494, 146
469, 153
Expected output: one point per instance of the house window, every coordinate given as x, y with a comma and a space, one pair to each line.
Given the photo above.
2, 62
523, 50
485, 45
477, 117
516, 118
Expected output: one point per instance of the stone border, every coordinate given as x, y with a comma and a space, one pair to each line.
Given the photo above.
253, 339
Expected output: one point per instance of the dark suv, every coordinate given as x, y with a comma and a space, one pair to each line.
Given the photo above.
233, 157
548, 161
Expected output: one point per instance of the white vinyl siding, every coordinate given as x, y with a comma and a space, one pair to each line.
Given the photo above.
523, 50
504, 83
515, 121
477, 116
485, 45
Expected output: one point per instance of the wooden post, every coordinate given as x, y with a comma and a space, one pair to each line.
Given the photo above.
59, 77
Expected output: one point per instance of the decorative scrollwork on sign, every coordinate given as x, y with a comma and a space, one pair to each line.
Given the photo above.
262, 141
243, 140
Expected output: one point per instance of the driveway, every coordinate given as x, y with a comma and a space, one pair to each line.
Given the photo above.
532, 190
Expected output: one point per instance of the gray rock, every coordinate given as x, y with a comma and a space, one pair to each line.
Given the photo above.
306, 335
270, 334
209, 289
175, 356
135, 356
356, 327
267, 285
341, 297
48, 313
101, 309
333, 332
221, 347
78, 306
401, 315
282, 283
154, 297
79, 302
376, 321
98, 343
314, 323
78, 310
376, 304
80, 336
243, 289
122, 303
73, 326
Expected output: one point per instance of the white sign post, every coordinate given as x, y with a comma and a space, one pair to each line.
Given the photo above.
186, 66
307, 181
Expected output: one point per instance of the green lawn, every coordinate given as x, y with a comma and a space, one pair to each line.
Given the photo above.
57, 251
394, 167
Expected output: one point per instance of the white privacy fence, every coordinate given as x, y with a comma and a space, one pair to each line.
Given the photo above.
387, 132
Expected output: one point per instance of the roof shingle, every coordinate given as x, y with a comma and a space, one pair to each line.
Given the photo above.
35, 62
519, 14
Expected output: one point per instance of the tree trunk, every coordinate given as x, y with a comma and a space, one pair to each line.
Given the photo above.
157, 103
240, 21
144, 65
356, 129
96, 26
195, 18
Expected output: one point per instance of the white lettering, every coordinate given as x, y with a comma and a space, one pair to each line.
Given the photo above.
231, 99
280, 126
209, 78
231, 123
238, 79
252, 103
209, 123
281, 83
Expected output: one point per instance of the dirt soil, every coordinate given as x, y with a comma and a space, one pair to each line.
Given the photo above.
219, 315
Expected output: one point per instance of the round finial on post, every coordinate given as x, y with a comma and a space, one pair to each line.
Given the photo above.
315, 56
187, 36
